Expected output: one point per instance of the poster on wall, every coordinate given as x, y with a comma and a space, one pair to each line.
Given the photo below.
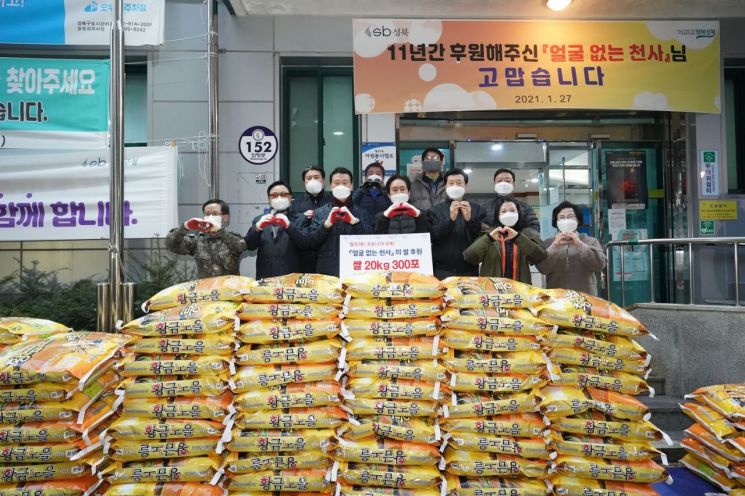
626, 173
635, 258
708, 170
382, 153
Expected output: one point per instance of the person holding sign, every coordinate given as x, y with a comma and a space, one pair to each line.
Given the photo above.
401, 217
508, 249
372, 197
455, 224
573, 258
274, 234
216, 251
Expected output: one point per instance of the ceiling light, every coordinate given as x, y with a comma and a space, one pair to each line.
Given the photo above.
467, 171
534, 180
558, 5
338, 133
497, 146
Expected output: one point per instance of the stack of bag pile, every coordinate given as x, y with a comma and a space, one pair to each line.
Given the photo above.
716, 442
496, 437
393, 387
287, 386
57, 395
14, 330
176, 399
600, 432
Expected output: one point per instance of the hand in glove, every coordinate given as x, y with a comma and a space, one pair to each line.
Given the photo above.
264, 221
198, 224
410, 210
332, 218
393, 211
281, 220
346, 216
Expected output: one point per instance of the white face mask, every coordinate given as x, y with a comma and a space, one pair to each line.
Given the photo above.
313, 186
400, 198
509, 219
215, 220
375, 178
455, 192
279, 203
341, 192
567, 225
503, 188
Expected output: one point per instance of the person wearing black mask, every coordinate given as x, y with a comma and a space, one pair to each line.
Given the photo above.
428, 188
504, 186
315, 196
371, 197
401, 217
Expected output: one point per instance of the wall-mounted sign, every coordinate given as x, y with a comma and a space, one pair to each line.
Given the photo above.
708, 171
717, 209
258, 145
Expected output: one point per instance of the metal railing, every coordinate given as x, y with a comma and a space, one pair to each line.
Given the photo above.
673, 242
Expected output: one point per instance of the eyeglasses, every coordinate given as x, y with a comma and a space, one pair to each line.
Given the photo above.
272, 196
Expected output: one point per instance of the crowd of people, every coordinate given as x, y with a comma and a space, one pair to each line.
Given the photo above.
502, 239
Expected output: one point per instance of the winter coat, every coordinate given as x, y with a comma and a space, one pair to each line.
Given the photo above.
401, 224
489, 254
371, 199
574, 267
531, 219
309, 257
278, 254
451, 238
422, 196
216, 254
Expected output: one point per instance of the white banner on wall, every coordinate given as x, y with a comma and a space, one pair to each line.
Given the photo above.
63, 195
400, 252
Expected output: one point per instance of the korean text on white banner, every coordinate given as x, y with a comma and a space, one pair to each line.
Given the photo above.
401, 252
59, 194
79, 22
54, 103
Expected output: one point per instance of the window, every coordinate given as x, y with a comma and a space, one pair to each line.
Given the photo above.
734, 123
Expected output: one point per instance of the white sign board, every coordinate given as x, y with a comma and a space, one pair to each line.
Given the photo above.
616, 221
708, 171
59, 194
401, 252
383, 153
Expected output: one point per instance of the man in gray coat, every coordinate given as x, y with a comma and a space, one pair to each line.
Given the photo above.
428, 188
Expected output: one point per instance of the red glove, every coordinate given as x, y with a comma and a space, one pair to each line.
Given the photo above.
264, 221
392, 211
346, 216
281, 220
332, 218
198, 224
410, 210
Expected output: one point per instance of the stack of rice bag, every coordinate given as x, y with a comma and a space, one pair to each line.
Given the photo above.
393, 387
287, 387
496, 437
600, 432
175, 390
57, 396
716, 442
15, 330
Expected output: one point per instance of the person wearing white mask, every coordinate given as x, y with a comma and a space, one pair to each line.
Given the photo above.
508, 249
401, 217
428, 188
314, 197
371, 196
216, 251
274, 235
573, 258
454, 225
504, 185
333, 220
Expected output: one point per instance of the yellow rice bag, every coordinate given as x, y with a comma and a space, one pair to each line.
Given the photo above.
360, 328
727, 399
193, 319
646, 471
496, 383
299, 418
396, 285
572, 356
470, 486
30, 328
167, 489
131, 428
598, 447
299, 353
618, 405
250, 377
15, 413
411, 429
299, 311
597, 424
296, 288
705, 470
586, 377
386, 491
370, 406
516, 425
522, 447
246, 463
386, 452
573, 486
363, 474
422, 370
521, 362
474, 464
516, 322
148, 450
184, 365
385, 348
43, 391
361, 308
308, 395
557, 401
171, 386
477, 292
65, 487
43, 472
474, 341
207, 345
58, 432
221, 288
712, 420
466, 405
707, 454
568, 308
276, 441
309, 480
38, 453
159, 471
699, 432
395, 389
598, 344
199, 407
287, 331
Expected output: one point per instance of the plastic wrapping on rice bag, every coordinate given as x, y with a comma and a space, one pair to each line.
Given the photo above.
167, 489
395, 285
299, 353
211, 289
572, 356
467, 405
597, 447
521, 362
65, 487
299, 418
194, 469
386, 452
404, 477
400, 408
598, 343
290, 331
385, 491
558, 401
360, 328
311, 480
193, 319
360, 308
727, 399
309, 395
586, 377
496, 383
220, 345
707, 454
296, 288
646, 471
182, 365
597, 424
473, 341
19, 473
422, 370
482, 486
16, 413
699, 432
413, 429
572, 486
171, 386
131, 428
395, 389
522, 447
246, 463
705, 470
41, 391
568, 308
147, 450
478, 292
39, 453
515, 425
516, 322
276, 441
712, 420
297, 311
13, 329
385, 348
214, 407
475, 464
250, 377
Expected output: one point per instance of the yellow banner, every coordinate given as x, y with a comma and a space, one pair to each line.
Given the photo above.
717, 209
448, 65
